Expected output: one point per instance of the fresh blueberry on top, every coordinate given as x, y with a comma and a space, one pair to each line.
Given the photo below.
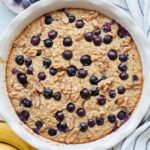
82, 73
107, 39
97, 32
59, 116
30, 70
79, 23
24, 115
121, 115
52, 34
53, 71
91, 123
81, 112
67, 41
88, 36
86, 60
62, 126
71, 18
71, 71
48, 43
35, 40
111, 118
47, 62
28, 61
41, 76
101, 100
122, 32
70, 107
123, 57
48, 93
48, 20
135, 78
112, 94
123, 67
112, 54
25, 4
97, 41
106, 27
57, 96
94, 80
123, 76
121, 90
100, 121
52, 132
85, 93
67, 55
94, 92
83, 127
15, 71
39, 124
19, 59
22, 78
26, 103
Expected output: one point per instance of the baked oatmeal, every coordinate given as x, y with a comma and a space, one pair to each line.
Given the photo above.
74, 76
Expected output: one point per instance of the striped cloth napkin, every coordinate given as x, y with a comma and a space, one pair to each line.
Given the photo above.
139, 10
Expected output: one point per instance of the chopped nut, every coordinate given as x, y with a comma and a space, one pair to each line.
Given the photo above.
91, 16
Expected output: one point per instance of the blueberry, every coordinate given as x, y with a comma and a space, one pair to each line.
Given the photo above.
111, 118
71, 18
88, 36
101, 100
41, 76
67, 55
39, 124
52, 34
94, 80
35, 40
85, 93
112, 54
22, 78
97, 41
17, 1
48, 20
112, 94
100, 121
48, 43
52, 132
24, 115
81, 112
62, 126
67, 41
15, 71
26, 103
48, 93
123, 76
97, 32
28, 61
57, 96
123, 67
94, 92
59, 116
53, 71
121, 90
47, 62
79, 23
121, 115
71, 71
19, 59
123, 57
86, 60
135, 78
70, 107
39, 52
106, 27
25, 4
83, 127
82, 73
107, 39
122, 32
30, 70
91, 123
33, 1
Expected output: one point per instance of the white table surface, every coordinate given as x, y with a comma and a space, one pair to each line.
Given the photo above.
5, 17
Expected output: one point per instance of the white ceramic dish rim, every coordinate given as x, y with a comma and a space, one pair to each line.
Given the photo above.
40, 8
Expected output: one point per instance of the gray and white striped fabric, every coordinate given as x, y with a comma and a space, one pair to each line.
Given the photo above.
139, 10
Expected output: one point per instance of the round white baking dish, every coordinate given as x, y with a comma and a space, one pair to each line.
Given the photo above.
40, 8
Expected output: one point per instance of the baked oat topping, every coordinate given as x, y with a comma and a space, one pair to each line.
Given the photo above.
74, 76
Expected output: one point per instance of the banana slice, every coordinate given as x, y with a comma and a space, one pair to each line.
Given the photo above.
4, 146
